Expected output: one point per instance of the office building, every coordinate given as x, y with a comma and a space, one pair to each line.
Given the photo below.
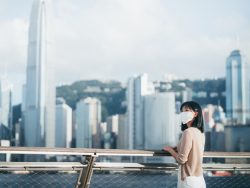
5, 102
63, 124
160, 122
138, 86
39, 103
237, 89
88, 119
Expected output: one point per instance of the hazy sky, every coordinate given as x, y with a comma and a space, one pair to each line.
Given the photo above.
115, 39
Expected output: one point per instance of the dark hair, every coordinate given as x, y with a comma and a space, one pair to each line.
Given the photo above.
198, 121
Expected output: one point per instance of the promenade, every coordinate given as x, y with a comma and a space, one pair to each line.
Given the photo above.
93, 171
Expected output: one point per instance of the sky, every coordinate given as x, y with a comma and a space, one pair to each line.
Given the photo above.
116, 39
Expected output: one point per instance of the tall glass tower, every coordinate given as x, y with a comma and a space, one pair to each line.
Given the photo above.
237, 88
137, 88
39, 100
5, 102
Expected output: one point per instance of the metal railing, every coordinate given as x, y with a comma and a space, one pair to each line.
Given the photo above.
89, 172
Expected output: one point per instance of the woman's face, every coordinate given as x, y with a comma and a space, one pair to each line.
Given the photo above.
187, 115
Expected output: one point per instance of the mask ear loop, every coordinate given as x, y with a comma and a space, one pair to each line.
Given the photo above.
196, 112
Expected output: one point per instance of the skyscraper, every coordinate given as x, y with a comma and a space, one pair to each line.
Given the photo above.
5, 109
122, 139
237, 88
160, 121
138, 86
88, 119
113, 124
63, 124
5, 102
160, 125
39, 111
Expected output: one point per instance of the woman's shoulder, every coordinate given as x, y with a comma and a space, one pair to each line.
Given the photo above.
195, 131
192, 130
188, 131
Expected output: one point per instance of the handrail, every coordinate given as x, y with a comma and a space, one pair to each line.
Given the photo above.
116, 166
41, 166
84, 170
109, 152
166, 166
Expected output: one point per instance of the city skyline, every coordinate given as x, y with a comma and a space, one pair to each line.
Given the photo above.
144, 114
127, 37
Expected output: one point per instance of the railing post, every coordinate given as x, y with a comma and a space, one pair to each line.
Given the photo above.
84, 177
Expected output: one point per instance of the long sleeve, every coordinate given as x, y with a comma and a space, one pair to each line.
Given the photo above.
184, 148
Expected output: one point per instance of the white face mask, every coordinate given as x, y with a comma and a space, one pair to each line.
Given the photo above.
186, 117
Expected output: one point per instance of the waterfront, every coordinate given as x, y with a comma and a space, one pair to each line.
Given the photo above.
89, 172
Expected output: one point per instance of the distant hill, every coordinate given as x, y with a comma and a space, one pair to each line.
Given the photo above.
208, 91
111, 94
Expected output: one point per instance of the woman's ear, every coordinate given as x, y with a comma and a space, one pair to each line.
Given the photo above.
195, 114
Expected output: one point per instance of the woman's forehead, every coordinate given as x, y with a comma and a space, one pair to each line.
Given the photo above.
185, 108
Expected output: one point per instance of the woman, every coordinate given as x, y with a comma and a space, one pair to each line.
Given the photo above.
190, 149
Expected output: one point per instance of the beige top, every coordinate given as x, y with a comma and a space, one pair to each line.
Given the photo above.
190, 152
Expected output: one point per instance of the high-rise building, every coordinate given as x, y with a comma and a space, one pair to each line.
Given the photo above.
138, 86
88, 119
219, 115
237, 89
6, 126
160, 125
39, 111
208, 112
63, 124
122, 138
117, 129
160, 121
113, 124
5, 102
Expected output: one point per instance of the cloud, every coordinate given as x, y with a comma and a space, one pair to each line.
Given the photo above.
120, 38
13, 47
13, 44
115, 39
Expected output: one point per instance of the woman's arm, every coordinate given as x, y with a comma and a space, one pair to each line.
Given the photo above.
183, 150
171, 151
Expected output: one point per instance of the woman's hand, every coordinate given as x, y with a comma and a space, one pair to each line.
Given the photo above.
167, 148
170, 150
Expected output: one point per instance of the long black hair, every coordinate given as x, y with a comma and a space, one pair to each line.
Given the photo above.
198, 121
